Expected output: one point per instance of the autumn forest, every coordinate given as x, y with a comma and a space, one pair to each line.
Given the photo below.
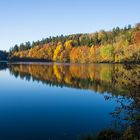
116, 46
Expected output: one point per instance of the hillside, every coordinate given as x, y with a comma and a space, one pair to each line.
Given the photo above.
118, 45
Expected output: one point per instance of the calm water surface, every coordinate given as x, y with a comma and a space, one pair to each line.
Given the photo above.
65, 102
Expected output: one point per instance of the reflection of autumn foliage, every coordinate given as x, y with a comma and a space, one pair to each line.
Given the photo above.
127, 114
98, 77
119, 79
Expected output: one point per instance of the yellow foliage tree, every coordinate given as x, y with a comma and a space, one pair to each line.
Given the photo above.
57, 52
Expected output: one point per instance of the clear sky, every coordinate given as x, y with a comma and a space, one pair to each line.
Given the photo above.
28, 20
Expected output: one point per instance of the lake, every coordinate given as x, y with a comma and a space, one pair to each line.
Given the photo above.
46, 101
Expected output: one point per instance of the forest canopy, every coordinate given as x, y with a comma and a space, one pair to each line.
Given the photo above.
118, 45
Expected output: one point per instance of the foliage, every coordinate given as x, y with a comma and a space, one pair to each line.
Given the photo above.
118, 45
107, 53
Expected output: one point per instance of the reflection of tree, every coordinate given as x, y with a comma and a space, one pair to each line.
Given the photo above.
119, 80
79, 76
3, 65
128, 112
97, 77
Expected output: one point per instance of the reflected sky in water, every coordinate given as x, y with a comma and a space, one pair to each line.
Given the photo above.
30, 109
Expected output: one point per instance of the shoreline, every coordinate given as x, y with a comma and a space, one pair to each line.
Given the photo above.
67, 63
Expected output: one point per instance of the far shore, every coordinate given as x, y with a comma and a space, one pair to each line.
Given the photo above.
66, 63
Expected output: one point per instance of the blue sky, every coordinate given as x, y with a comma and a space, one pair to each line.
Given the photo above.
28, 20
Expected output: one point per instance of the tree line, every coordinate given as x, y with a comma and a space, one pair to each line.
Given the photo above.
117, 45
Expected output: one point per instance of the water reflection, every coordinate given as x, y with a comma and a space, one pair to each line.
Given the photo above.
3, 66
115, 79
121, 82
